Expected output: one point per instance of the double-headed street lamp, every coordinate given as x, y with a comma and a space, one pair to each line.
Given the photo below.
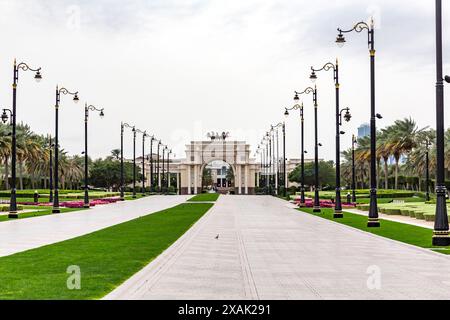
59, 91
340, 40
12, 113
441, 235
354, 141
87, 108
122, 178
302, 139
312, 91
335, 67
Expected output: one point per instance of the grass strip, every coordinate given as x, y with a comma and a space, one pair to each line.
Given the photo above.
205, 197
40, 211
414, 235
106, 258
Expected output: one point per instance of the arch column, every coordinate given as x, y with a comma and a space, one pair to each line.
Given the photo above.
195, 179
189, 178
246, 179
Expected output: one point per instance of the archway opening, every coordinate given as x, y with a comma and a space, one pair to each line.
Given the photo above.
218, 176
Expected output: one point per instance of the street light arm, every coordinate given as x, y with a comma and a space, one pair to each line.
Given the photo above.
65, 92
306, 91
93, 108
327, 67
359, 27
25, 67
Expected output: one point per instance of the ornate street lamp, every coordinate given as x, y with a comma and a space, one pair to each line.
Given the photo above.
157, 166
168, 169
302, 138
335, 68
12, 113
354, 141
373, 220
122, 178
151, 164
86, 170
136, 131
312, 91
144, 135
59, 91
283, 126
50, 147
441, 235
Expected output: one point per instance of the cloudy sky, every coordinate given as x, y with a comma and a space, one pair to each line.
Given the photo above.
182, 68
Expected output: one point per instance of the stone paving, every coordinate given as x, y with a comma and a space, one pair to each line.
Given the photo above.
21, 235
268, 250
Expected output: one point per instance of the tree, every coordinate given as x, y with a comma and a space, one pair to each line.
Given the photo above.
116, 154
327, 174
106, 173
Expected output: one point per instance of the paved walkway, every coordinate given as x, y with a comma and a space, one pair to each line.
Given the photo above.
268, 250
21, 235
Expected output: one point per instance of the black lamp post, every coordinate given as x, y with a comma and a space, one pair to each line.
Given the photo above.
122, 178
359, 27
86, 169
169, 152
151, 164
283, 126
312, 91
302, 138
157, 166
441, 229
354, 141
134, 162
335, 67
144, 135
59, 91
427, 169
163, 175
50, 146
38, 77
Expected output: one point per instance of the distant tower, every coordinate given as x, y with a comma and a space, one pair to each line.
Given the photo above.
364, 130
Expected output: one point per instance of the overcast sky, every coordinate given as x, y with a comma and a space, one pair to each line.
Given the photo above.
182, 68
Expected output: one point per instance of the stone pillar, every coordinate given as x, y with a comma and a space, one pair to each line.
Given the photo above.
189, 178
246, 179
195, 179
239, 179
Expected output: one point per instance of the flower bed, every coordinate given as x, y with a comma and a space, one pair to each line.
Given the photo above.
309, 203
74, 204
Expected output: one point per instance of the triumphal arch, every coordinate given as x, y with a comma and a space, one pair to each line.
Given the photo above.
201, 153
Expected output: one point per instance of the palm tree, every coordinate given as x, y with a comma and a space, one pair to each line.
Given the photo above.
402, 136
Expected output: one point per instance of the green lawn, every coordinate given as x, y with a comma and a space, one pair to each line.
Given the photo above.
402, 232
205, 197
106, 258
40, 211
387, 200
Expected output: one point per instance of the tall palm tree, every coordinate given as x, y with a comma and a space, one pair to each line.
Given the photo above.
402, 135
